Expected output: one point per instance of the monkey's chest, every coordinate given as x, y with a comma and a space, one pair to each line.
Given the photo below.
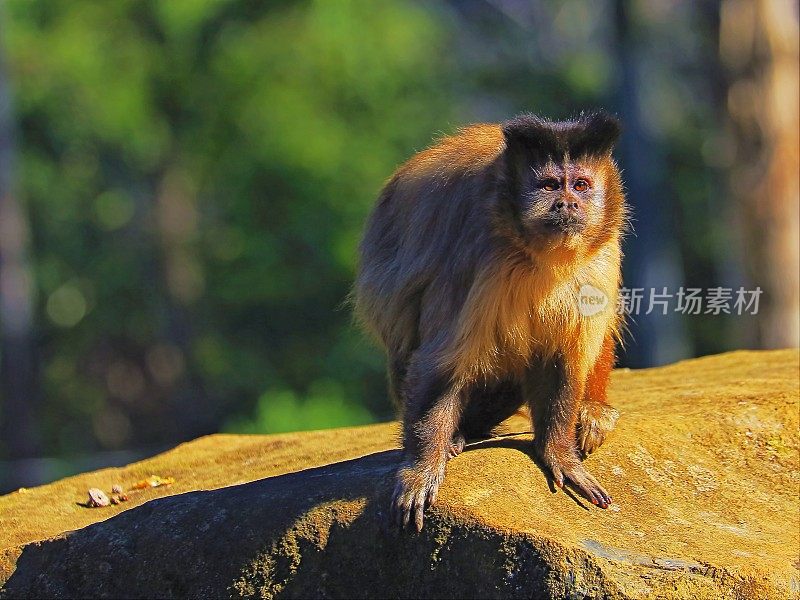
501, 338
544, 327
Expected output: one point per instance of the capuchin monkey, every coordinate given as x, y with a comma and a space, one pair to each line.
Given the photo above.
474, 271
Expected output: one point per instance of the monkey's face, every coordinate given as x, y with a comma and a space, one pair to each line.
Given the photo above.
564, 204
563, 185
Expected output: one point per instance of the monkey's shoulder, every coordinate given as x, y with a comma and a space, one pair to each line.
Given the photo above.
468, 151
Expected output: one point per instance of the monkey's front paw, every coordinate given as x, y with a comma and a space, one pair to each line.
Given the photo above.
595, 421
456, 446
571, 471
416, 488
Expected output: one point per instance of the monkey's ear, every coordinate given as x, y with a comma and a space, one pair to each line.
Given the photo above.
533, 136
594, 134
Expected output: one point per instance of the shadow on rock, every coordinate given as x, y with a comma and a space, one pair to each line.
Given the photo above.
320, 532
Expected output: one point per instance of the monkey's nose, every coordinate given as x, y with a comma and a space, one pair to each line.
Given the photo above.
561, 205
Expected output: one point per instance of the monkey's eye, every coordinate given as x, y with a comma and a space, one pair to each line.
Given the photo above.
550, 184
581, 185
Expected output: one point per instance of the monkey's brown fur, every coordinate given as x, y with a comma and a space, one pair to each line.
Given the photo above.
471, 268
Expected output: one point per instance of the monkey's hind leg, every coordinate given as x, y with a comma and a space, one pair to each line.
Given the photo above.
597, 418
486, 407
395, 375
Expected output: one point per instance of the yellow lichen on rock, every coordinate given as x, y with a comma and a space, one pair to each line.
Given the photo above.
703, 469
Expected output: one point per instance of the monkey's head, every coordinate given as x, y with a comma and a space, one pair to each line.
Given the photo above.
564, 189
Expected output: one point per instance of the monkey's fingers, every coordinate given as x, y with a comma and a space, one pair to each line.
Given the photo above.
419, 509
595, 422
590, 439
433, 492
401, 503
395, 509
424, 498
456, 446
408, 504
588, 486
558, 476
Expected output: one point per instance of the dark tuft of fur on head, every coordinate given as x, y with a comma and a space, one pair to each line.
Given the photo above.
590, 134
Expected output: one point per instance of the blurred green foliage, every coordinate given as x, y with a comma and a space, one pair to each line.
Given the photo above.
325, 405
197, 174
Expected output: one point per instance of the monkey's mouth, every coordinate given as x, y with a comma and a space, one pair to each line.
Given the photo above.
570, 225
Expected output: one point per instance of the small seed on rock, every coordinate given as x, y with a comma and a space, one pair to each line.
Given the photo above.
116, 489
97, 497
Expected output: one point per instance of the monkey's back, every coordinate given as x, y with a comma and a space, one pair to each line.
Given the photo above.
424, 237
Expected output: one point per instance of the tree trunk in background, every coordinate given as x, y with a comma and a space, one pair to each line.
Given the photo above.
652, 256
18, 384
759, 48
181, 271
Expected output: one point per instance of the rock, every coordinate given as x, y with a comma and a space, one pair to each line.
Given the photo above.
703, 470
97, 498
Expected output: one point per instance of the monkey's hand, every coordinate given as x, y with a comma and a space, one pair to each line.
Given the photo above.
566, 467
456, 446
416, 488
595, 421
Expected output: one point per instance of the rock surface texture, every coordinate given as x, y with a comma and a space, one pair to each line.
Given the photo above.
703, 469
